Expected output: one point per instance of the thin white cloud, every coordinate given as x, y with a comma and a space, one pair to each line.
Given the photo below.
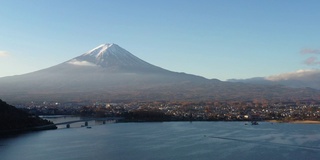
312, 61
310, 51
4, 53
81, 63
293, 75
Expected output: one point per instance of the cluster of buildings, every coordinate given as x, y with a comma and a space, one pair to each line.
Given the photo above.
206, 111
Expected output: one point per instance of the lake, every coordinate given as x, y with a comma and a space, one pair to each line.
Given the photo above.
167, 140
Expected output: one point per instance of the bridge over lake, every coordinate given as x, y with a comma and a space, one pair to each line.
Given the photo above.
85, 120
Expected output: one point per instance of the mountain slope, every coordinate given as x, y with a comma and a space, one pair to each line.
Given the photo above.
109, 72
106, 68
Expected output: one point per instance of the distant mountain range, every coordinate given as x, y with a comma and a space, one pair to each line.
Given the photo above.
298, 79
110, 73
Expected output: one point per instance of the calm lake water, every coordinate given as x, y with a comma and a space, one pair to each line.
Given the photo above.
168, 140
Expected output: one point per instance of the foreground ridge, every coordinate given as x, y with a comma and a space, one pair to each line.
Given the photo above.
13, 120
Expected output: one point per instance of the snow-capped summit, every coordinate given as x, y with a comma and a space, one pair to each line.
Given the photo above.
98, 51
112, 57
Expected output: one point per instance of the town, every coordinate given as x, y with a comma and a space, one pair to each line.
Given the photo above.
258, 110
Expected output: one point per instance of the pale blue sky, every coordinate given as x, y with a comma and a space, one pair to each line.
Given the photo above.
211, 38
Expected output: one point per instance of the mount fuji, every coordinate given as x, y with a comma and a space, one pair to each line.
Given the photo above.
111, 73
107, 71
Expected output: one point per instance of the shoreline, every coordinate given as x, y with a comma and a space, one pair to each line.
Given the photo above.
295, 122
